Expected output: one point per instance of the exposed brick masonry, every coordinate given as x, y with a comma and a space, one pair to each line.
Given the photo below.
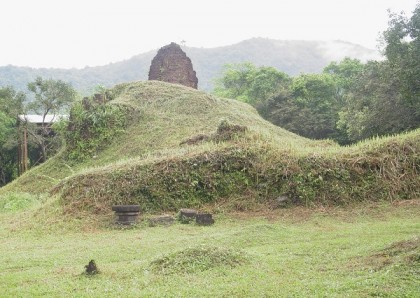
172, 65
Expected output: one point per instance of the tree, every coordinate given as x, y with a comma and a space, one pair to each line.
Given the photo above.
375, 105
402, 49
385, 98
52, 97
309, 108
235, 81
6, 125
11, 102
11, 105
344, 73
251, 84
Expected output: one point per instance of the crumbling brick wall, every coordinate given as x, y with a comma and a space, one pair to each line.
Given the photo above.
172, 65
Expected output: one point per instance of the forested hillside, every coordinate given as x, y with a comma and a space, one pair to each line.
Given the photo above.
291, 57
349, 101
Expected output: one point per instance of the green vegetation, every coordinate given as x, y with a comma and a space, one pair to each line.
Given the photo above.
349, 101
403, 53
13, 202
51, 98
11, 105
309, 107
92, 125
361, 251
246, 82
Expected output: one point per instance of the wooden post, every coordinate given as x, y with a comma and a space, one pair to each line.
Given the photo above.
25, 149
22, 150
20, 153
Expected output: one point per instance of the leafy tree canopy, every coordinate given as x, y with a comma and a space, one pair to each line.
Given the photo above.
51, 96
309, 108
402, 49
11, 104
375, 106
251, 84
344, 72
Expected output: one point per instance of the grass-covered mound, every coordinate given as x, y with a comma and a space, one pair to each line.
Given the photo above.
404, 253
195, 259
165, 146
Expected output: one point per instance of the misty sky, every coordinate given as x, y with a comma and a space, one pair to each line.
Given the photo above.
52, 33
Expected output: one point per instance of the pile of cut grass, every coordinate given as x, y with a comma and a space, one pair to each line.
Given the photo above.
197, 259
404, 253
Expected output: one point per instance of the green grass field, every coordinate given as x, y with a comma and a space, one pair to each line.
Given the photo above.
364, 251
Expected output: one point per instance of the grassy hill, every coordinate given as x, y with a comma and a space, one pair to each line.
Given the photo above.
179, 147
292, 57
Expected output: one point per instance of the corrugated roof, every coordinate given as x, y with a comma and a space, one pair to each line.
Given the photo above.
38, 118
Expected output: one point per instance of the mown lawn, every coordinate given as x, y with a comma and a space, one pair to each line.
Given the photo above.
370, 250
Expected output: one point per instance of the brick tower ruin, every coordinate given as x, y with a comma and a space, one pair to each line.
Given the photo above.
172, 65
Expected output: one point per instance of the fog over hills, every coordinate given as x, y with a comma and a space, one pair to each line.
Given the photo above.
290, 56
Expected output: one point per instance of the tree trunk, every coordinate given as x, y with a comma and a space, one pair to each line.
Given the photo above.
43, 147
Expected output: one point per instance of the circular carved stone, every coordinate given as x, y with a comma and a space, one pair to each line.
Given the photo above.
126, 208
127, 214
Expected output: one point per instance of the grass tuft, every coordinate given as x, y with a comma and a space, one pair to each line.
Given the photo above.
14, 202
404, 253
197, 259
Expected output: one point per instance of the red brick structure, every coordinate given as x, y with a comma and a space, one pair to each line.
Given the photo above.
172, 65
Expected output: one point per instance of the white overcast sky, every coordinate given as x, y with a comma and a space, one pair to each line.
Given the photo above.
79, 33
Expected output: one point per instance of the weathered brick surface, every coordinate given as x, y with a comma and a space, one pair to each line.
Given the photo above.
172, 65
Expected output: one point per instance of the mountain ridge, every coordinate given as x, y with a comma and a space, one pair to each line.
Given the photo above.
290, 56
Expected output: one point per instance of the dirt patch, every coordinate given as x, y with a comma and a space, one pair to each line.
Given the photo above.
297, 214
195, 140
406, 253
402, 247
407, 203
225, 132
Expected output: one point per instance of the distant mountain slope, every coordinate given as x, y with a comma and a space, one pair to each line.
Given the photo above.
292, 57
